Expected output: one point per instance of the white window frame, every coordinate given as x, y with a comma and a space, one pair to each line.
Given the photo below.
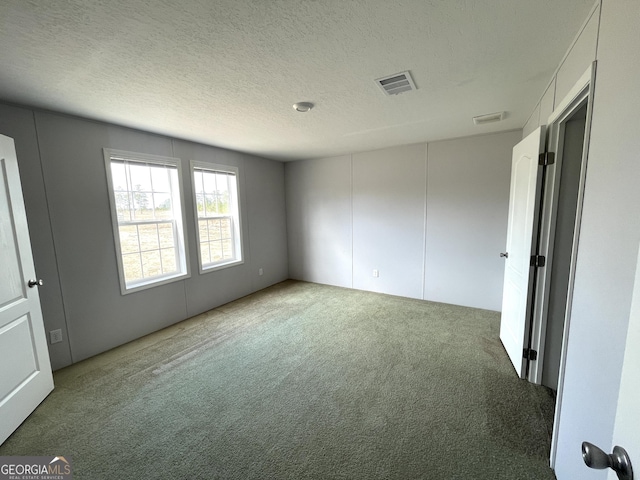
182, 248
236, 225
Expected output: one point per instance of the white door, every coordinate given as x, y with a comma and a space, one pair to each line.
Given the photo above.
25, 369
518, 275
627, 432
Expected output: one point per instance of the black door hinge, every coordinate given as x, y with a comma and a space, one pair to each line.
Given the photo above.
538, 260
546, 158
529, 354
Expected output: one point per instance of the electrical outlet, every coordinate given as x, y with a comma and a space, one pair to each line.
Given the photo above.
260, 271
55, 336
376, 273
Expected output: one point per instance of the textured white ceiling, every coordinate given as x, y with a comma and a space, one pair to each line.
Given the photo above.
227, 72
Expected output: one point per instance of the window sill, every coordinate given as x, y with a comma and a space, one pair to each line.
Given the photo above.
219, 266
139, 286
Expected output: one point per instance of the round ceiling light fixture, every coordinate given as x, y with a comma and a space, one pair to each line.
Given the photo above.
302, 106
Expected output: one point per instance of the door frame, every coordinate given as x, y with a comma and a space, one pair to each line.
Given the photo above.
579, 95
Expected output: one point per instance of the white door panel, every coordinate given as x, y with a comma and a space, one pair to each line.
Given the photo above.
627, 428
11, 287
25, 370
523, 204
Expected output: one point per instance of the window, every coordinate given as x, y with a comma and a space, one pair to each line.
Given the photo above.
217, 205
147, 218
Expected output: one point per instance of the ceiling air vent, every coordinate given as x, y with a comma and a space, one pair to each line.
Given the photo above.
397, 83
490, 117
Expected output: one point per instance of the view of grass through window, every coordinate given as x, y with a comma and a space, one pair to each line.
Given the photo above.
147, 214
215, 194
145, 206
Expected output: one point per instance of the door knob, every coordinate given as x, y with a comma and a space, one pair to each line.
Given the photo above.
618, 461
504, 255
34, 283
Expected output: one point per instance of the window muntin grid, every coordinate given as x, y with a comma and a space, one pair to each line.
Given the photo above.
148, 219
218, 223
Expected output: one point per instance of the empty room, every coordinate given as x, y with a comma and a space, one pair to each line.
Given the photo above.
319, 239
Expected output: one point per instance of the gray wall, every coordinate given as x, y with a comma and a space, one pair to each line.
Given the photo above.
432, 218
577, 59
467, 211
388, 220
65, 189
19, 124
319, 215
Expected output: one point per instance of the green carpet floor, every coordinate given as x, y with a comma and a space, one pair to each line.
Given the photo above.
301, 381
